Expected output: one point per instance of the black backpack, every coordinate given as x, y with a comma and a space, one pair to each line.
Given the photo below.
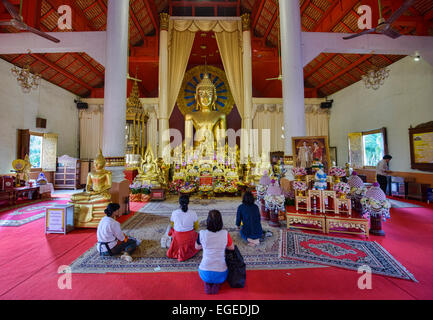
236, 267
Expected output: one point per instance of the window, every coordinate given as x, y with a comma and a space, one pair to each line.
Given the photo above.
36, 150
366, 149
374, 148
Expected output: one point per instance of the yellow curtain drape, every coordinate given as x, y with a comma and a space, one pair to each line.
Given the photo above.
49, 152
228, 34
316, 121
179, 51
91, 127
231, 55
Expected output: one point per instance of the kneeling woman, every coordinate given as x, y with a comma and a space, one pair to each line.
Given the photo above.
214, 241
111, 240
184, 222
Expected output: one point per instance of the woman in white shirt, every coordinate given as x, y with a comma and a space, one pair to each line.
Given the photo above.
184, 222
111, 240
214, 241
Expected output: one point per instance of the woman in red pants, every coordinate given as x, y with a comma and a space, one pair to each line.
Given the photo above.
184, 223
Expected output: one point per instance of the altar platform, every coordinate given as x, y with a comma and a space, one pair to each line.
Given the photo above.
327, 222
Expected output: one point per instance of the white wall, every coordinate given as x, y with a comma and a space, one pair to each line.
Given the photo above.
405, 99
19, 111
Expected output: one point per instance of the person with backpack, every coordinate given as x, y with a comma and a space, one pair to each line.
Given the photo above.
214, 241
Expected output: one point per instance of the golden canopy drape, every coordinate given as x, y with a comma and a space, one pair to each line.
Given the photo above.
228, 34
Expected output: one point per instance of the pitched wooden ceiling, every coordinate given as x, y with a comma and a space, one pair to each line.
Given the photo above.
325, 75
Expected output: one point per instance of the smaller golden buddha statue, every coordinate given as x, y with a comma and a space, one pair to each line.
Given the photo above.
89, 205
149, 171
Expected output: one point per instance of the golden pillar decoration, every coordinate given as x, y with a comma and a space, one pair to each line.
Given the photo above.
136, 127
246, 22
164, 19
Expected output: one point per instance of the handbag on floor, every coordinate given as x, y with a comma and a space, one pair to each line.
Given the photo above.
236, 267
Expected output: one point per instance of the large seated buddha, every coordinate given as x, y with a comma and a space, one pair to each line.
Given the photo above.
89, 205
206, 119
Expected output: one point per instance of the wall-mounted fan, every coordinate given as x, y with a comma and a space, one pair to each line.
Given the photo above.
17, 22
384, 26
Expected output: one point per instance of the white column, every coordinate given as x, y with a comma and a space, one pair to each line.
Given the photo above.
246, 146
163, 85
293, 76
113, 142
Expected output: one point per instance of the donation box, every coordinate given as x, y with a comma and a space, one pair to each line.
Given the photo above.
59, 219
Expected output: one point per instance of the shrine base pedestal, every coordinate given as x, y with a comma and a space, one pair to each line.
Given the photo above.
376, 226
264, 213
275, 221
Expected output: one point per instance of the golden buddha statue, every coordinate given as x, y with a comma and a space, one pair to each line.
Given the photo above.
149, 171
206, 118
89, 205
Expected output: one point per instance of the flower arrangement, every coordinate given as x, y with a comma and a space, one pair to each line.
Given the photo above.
342, 188
205, 188
135, 188
376, 208
232, 188
337, 172
359, 192
146, 189
174, 186
275, 203
261, 191
188, 188
219, 187
300, 186
299, 172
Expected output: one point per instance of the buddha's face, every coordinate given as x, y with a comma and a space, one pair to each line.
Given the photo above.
205, 98
99, 164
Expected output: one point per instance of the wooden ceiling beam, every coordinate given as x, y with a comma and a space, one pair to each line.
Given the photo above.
342, 72
47, 62
153, 14
89, 65
335, 13
320, 64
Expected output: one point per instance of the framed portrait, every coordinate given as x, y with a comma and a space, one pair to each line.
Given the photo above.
421, 147
306, 150
333, 155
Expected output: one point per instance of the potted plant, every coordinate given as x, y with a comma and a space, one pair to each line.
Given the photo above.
146, 190
135, 192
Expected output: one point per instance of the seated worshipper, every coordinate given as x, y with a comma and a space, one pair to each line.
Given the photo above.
248, 220
214, 241
184, 224
111, 240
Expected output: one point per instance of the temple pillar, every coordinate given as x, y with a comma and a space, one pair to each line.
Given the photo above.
246, 143
163, 86
113, 141
293, 76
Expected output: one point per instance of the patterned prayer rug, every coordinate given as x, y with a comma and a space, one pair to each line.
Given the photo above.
402, 204
341, 252
149, 225
16, 217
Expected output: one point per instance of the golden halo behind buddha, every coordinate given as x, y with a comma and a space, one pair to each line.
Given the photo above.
205, 77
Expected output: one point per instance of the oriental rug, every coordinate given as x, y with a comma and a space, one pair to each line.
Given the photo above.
149, 224
341, 252
16, 217
402, 204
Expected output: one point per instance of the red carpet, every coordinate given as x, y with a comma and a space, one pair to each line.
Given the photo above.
29, 261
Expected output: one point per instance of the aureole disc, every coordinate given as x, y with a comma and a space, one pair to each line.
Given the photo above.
186, 99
